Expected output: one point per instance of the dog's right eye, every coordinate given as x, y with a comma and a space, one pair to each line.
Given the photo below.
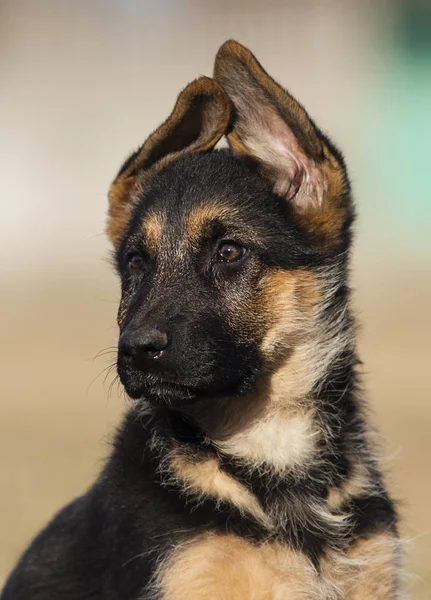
135, 261
230, 252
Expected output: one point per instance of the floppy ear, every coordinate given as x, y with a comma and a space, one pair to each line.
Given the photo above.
273, 128
199, 119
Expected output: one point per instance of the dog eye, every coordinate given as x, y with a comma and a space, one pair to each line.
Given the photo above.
230, 252
135, 261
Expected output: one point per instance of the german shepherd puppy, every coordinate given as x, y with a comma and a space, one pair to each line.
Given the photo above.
244, 469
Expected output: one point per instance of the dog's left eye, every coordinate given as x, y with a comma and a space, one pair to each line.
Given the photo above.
135, 261
230, 252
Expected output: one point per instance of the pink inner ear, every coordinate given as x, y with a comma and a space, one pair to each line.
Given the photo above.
297, 176
295, 184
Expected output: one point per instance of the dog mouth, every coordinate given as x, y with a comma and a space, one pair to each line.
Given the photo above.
157, 389
140, 385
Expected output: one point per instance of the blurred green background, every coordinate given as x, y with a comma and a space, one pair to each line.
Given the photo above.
84, 82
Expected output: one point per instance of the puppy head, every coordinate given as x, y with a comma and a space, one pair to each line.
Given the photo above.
219, 252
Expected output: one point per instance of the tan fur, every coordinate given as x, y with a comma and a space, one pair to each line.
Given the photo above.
276, 313
226, 567
203, 215
368, 570
328, 222
380, 557
288, 299
358, 484
152, 231
120, 207
205, 479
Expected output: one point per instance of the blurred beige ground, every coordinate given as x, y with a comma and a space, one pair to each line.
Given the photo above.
82, 84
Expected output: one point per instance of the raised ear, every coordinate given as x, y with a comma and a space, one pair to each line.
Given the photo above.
273, 128
199, 119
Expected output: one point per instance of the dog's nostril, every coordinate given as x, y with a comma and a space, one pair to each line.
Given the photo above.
148, 342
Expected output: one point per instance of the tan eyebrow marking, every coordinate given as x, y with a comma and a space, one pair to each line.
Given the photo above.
202, 215
152, 230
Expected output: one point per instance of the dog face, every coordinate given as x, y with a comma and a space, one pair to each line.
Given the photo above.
221, 253
199, 263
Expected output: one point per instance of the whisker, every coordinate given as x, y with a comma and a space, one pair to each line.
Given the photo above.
106, 369
104, 352
109, 372
115, 381
106, 300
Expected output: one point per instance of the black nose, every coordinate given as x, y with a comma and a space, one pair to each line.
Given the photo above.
143, 343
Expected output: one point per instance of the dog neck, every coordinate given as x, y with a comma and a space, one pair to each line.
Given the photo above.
292, 448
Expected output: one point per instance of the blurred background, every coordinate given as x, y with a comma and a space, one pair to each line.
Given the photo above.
83, 82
